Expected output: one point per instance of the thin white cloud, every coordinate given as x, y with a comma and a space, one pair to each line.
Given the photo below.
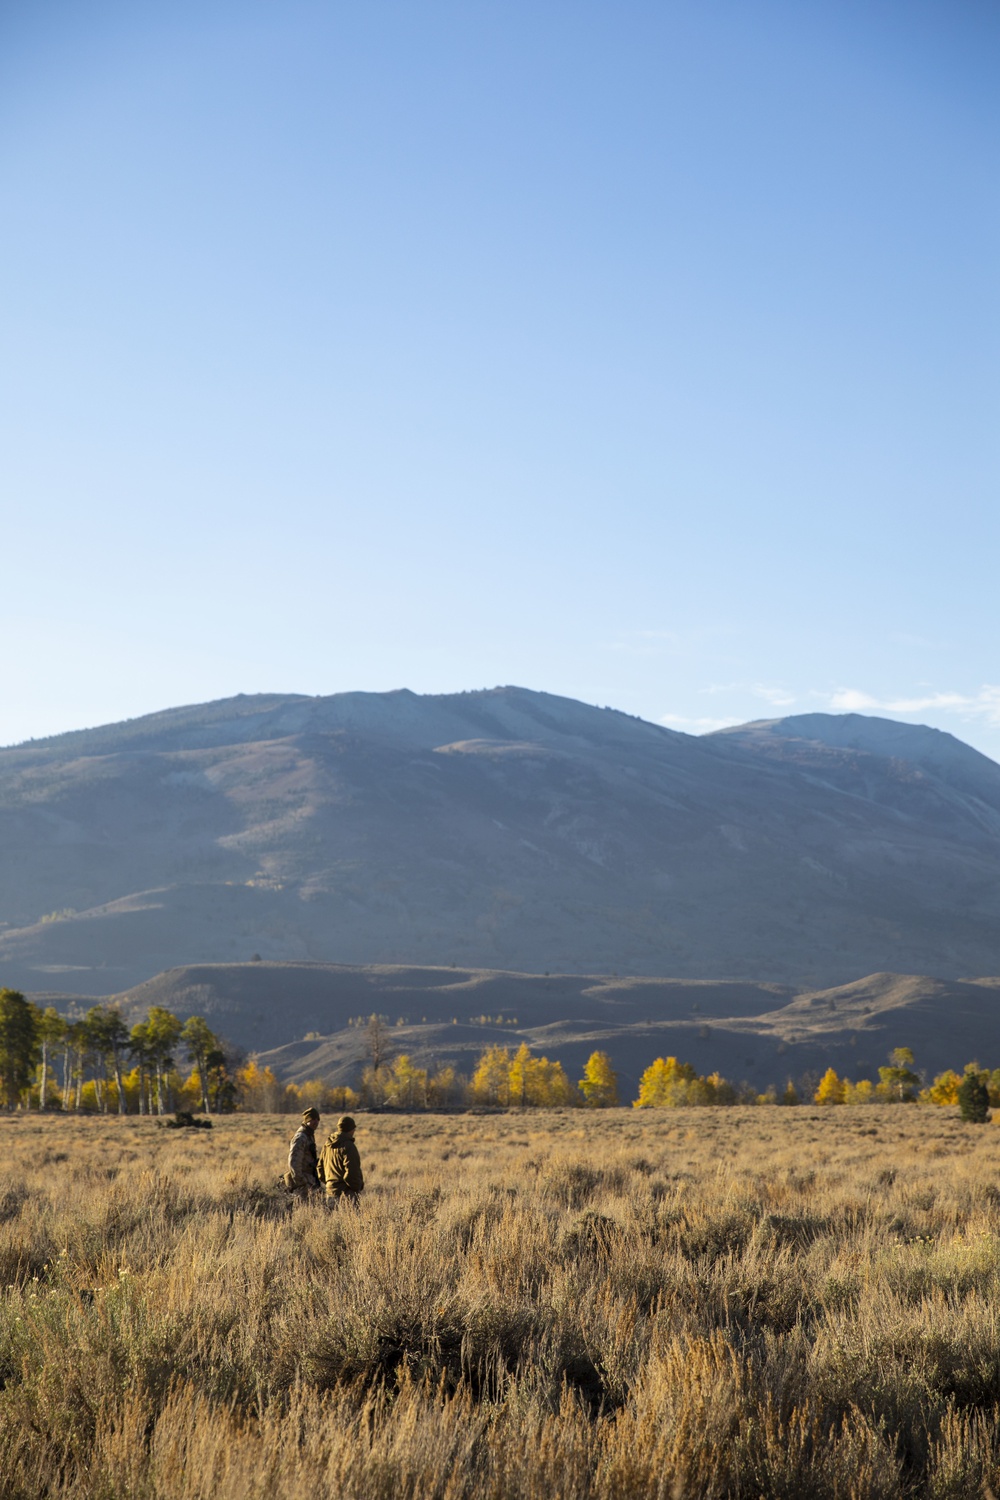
985, 704
778, 697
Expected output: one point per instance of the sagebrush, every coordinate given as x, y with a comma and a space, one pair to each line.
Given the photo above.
674, 1303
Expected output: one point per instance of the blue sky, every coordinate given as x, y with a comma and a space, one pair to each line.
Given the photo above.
645, 353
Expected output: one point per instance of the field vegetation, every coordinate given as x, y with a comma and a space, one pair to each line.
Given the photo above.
612, 1304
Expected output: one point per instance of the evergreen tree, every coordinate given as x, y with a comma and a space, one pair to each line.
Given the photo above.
222, 1085
973, 1098
19, 1047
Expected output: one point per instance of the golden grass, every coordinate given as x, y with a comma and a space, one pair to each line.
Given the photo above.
743, 1302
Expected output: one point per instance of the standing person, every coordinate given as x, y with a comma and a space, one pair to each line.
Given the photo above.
340, 1165
302, 1178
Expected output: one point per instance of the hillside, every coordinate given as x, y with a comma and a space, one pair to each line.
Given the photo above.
297, 1017
501, 830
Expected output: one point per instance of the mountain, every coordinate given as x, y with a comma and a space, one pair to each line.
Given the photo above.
497, 830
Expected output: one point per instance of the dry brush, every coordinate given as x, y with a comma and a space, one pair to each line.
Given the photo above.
679, 1303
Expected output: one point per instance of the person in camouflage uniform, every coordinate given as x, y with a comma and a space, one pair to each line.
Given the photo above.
340, 1165
302, 1178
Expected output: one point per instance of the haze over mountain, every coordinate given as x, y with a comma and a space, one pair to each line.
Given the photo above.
502, 829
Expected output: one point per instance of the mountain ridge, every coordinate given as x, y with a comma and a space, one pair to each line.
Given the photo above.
505, 829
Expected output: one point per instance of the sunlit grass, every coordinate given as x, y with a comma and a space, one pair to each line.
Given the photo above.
745, 1302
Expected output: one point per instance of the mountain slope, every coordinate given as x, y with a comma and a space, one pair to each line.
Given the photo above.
505, 830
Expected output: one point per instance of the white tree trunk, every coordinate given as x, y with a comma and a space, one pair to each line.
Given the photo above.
118, 1082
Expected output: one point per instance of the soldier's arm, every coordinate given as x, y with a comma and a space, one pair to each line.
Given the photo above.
297, 1159
354, 1179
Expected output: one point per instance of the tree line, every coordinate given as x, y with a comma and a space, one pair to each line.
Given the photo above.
502, 1079
667, 1082
97, 1062
507, 1078
975, 1090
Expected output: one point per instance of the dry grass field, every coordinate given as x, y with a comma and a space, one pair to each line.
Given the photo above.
738, 1302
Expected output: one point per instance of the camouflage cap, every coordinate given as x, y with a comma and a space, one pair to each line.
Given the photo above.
346, 1122
312, 1113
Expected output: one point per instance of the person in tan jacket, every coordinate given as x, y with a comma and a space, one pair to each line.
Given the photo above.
340, 1165
301, 1177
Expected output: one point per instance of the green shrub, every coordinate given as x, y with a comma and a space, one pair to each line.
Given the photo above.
973, 1099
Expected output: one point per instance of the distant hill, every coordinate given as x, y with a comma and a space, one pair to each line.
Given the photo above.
297, 1017
496, 830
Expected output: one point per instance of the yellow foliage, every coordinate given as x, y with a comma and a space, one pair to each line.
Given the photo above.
188, 1096
258, 1090
548, 1085
375, 1085
328, 1098
520, 1080
536, 1081
518, 1075
407, 1085
831, 1089
944, 1089
491, 1080
599, 1084
667, 1083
